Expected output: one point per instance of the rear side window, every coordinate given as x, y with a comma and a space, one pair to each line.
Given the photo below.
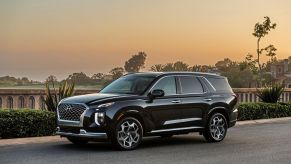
190, 84
220, 84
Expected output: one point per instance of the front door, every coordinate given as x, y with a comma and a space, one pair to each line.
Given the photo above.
165, 108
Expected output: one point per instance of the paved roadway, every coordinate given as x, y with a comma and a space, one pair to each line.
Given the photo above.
260, 143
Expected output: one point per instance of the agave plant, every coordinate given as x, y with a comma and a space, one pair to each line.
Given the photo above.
270, 94
52, 99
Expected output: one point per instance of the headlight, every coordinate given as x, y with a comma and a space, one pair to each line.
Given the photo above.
99, 118
105, 105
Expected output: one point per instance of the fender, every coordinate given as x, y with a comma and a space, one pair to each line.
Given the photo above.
138, 112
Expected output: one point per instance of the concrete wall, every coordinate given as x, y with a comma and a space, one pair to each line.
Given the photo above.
27, 98
32, 98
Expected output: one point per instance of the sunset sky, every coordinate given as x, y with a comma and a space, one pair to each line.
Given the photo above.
59, 37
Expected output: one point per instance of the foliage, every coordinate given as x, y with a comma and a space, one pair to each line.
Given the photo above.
239, 74
26, 123
52, 98
270, 94
136, 62
51, 79
157, 68
177, 66
80, 79
202, 68
12, 81
117, 72
260, 31
261, 110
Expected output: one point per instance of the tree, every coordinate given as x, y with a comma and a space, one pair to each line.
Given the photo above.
136, 62
180, 66
177, 66
98, 76
157, 68
225, 64
168, 67
117, 72
271, 52
51, 79
80, 79
260, 31
201, 68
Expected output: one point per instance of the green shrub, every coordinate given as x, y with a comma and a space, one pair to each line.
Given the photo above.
26, 123
261, 110
53, 98
270, 94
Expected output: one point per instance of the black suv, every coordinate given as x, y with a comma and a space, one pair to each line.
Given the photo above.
150, 104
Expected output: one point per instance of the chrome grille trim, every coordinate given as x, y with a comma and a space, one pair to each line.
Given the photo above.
74, 116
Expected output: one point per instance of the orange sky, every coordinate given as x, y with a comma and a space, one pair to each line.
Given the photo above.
39, 38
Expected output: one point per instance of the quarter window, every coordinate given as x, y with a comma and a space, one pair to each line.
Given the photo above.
190, 84
168, 85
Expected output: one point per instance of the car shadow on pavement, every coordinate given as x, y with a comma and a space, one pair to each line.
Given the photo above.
148, 142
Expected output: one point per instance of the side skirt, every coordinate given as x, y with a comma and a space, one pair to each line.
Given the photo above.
177, 129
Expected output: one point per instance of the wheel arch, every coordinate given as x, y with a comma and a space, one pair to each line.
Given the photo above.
134, 112
219, 109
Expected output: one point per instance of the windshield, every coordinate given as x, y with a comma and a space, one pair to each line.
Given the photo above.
130, 84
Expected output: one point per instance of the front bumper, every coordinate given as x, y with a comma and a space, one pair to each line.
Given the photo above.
82, 134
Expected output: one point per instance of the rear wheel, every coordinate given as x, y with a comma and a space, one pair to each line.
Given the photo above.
77, 141
127, 134
216, 128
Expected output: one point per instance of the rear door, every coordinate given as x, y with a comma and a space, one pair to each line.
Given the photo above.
194, 100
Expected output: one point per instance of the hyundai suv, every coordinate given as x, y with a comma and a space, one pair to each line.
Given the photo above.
150, 104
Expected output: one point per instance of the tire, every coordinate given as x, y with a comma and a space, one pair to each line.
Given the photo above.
77, 141
216, 128
127, 134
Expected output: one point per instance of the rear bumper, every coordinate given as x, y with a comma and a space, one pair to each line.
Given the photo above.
233, 118
82, 134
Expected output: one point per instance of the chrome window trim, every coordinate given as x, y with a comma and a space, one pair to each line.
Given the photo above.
204, 91
69, 122
177, 129
181, 120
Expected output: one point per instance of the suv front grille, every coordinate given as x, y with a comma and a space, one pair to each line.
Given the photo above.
71, 112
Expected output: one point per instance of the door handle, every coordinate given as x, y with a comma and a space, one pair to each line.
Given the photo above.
176, 101
207, 99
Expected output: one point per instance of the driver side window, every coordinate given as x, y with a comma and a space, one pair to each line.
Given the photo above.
168, 85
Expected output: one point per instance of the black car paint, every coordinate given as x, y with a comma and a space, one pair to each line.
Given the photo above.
153, 113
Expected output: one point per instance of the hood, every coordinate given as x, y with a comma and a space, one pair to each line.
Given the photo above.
95, 98
86, 99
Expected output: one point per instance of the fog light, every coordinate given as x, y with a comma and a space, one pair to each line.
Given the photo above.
99, 118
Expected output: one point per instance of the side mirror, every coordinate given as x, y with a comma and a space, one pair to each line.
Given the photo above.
156, 93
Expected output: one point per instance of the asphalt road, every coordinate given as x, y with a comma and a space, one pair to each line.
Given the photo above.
263, 143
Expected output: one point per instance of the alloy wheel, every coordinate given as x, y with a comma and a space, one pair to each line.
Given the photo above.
129, 134
217, 127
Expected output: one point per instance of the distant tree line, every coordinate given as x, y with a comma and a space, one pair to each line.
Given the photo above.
12, 81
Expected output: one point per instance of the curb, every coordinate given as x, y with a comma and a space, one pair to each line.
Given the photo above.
30, 140
46, 139
262, 121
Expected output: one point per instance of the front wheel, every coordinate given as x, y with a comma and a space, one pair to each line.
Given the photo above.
127, 134
216, 128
